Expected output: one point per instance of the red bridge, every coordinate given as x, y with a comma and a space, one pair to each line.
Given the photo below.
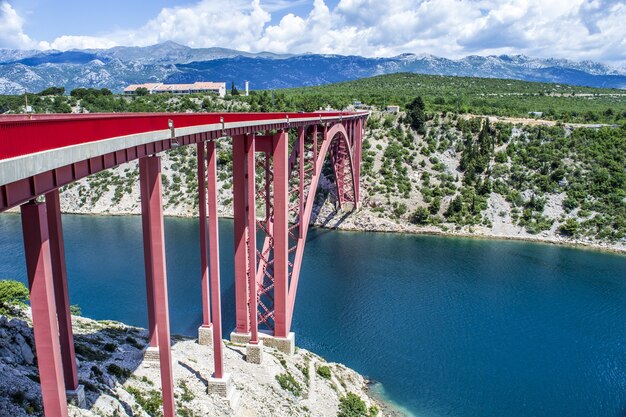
273, 173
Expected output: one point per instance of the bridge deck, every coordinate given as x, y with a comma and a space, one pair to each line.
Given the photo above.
32, 145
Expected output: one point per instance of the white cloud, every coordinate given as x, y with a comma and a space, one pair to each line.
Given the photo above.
575, 29
12, 29
63, 43
235, 24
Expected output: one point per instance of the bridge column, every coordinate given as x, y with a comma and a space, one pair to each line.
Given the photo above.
315, 150
42, 301
152, 353
358, 146
254, 349
220, 383
301, 138
74, 391
242, 314
281, 225
205, 332
152, 212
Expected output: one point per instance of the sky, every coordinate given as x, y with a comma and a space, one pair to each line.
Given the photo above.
573, 29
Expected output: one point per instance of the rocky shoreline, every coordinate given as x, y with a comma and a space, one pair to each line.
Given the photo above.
366, 221
118, 381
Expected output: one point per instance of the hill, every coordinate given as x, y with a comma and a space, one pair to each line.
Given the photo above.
486, 96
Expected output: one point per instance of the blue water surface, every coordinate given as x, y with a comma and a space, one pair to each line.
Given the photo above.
450, 327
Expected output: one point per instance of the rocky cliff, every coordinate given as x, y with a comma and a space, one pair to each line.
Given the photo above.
118, 382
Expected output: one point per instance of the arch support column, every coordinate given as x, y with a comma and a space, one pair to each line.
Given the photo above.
205, 332
154, 247
240, 202
281, 225
74, 391
45, 326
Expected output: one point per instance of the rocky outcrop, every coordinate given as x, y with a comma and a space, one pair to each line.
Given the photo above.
118, 382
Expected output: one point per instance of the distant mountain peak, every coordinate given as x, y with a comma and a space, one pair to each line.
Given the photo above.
170, 61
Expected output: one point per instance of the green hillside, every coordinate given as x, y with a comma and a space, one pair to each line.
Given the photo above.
487, 96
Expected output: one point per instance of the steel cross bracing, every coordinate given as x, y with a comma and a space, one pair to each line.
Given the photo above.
267, 289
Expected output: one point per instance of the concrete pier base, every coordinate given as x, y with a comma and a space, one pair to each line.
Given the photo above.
254, 352
151, 356
224, 388
77, 396
347, 207
286, 345
205, 335
240, 338
221, 387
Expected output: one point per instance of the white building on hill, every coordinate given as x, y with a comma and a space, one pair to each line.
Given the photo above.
197, 87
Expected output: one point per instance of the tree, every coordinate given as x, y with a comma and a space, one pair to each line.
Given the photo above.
435, 205
60, 105
52, 91
352, 406
142, 91
415, 115
455, 206
233, 89
420, 216
569, 228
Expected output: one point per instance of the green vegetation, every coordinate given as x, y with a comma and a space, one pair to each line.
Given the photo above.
133, 342
150, 401
12, 294
187, 394
30, 405
289, 383
415, 115
571, 180
488, 96
110, 347
353, 406
118, 371
88, 353
324, 372
482, 96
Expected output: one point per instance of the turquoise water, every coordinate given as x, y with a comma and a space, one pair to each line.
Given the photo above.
449, 327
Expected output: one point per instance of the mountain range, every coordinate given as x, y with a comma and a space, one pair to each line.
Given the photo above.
169, 62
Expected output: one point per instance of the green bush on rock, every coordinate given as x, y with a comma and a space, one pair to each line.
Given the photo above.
12, 293
353, 406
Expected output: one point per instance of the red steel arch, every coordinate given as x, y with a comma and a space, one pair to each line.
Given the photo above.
267, 278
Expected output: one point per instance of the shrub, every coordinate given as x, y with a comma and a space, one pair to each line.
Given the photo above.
353, 406
324, 372
12, 293
420, 216
110, 347
289, 383
90, 354
118, 371
187, 394
151, 401
569, 228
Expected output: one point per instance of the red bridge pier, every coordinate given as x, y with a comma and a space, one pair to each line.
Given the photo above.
45, 325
